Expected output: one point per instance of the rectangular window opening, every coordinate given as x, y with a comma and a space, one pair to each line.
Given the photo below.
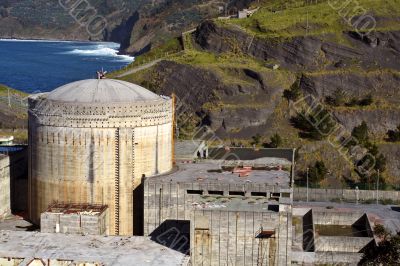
194, 192
236, 193
214, 192
259, 194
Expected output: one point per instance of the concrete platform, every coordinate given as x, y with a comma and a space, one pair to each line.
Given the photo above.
209, 172
113, 250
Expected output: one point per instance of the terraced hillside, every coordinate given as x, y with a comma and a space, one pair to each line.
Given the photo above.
235, 73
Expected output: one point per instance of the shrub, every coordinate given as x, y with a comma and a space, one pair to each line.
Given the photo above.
256, 139
368, 100
276, 141
294, 92
318, 172
314, 125
338, 98
394, 135
361, 133
387, 252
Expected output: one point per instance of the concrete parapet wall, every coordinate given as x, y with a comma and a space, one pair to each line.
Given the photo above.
341, 243
74, 223
100, 115
5, 179
336, 217
319, 194
325, 258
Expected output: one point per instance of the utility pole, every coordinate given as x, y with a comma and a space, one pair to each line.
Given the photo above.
357, 194
377, 189
307, 184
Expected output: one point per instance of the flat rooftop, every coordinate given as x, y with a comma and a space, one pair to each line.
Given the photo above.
68, 208
111, 250
209, 171
260, 204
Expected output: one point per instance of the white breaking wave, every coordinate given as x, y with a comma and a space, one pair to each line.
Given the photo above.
102, 50
32, 40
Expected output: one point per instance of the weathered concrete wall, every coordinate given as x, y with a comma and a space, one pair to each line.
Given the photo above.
341, 243
230, 238
221, 236
170, 200
344, 194
5, 195
336, 217
74, 223
325, 258
97, 154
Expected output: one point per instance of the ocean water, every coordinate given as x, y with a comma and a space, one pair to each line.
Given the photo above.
41, 66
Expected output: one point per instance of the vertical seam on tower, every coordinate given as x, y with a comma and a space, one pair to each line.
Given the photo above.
133, 156
117, 181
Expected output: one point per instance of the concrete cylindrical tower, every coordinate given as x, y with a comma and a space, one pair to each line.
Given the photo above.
91, 141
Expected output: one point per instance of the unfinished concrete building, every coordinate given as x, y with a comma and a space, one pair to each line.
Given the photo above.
83, 219
225, 212
92, 141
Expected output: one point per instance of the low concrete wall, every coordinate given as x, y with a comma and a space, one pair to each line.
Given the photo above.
74, 223
5, 195
320, 194
13, 182
341, 243
325, 258
336, 218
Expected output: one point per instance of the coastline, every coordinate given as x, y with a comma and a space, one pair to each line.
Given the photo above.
120, 51
67, 60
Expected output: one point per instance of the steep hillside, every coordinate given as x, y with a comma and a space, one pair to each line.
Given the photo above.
13, 113
233, 74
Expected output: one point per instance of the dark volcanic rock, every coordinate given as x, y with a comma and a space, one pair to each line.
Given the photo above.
378, 120
379, 49
232, 108
193, 86
299, 52
392, 154
379, 84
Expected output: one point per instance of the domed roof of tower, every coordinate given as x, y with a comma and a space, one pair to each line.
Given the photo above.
101, 91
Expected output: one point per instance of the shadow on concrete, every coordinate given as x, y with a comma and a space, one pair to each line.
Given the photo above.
395, 208
174, 234
19, 180
28, 228
308, 232
138, 209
